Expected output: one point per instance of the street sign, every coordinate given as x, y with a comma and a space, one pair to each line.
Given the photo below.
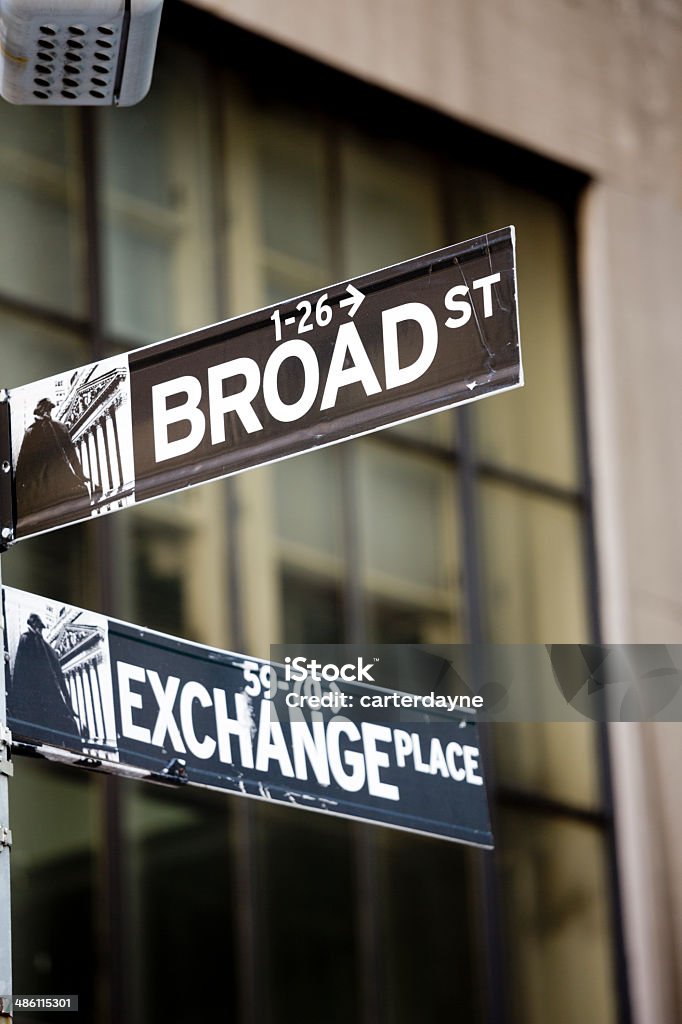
92, 691
414, 339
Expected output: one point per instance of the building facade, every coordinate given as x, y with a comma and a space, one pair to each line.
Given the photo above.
281, 148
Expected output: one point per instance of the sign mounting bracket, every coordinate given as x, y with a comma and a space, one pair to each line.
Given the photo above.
6, 766
7, 520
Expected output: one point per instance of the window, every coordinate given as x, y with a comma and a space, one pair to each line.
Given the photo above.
54, 868
41, 249
457, 527
214, 196
155, 201
528, 498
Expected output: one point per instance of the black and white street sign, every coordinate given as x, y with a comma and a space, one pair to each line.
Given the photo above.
416, 338
91, 691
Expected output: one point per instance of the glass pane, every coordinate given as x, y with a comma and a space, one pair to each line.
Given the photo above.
157, 223
390, 210
432, 973
41, 243
284, 281
532, 430
139, 282
309, 502
39, 132
407, 518
171, 564
396, 622
160, 557
308, 520
555, 892
312, 610
439, 429
31, 351
306, 875
54, 815
409, 535
533, 579
54, 568
292, 185
278, 199
180, 903
555, 759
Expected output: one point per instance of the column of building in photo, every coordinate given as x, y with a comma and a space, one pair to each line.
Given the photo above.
81, 651
93, 413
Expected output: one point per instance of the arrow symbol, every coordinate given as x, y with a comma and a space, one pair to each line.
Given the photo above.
354, 300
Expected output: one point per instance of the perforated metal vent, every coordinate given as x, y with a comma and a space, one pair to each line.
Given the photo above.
77, 52
76, 62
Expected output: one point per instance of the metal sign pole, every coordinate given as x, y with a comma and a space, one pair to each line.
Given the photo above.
5, 843
5, 763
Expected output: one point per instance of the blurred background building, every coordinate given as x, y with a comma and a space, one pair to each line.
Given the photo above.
284, 146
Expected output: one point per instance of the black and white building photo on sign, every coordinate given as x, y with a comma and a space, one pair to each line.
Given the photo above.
58, 675
72, 445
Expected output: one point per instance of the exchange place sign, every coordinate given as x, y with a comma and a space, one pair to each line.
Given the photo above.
416, 338
91, 691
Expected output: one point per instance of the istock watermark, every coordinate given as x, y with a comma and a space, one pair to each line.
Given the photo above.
391, 699
492, 682
358, 671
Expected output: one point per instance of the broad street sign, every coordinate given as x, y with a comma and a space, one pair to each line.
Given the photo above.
416, 338
91, 691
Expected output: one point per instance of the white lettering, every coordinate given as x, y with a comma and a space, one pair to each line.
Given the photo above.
470, 766
419, 765
165, 723
163, 417
397, 375
190, 692
403, 746
240, 402
349, 342
129, 700
462, 309
486, 285
437, 759
271, 744
355, 779
305, 353
239, 727
452, 751
310, 745
376, 759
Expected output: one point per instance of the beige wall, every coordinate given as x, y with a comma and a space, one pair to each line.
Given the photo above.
596, 84
630, 278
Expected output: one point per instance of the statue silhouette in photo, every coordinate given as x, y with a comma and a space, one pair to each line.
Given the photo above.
48, 473
38, 693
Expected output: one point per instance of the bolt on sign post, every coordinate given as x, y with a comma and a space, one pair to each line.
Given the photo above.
94, 692
413, 339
